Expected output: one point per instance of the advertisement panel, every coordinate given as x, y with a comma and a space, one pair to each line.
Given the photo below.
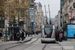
71, 31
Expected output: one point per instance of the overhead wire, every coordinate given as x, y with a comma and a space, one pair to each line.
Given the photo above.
52, 12
46, 2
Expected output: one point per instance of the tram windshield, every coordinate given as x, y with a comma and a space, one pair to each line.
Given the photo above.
48, 30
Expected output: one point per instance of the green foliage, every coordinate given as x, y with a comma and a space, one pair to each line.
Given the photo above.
22, 6
2, 2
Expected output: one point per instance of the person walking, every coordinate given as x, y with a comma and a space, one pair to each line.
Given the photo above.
0, 34
60, 37
22, 35
28, 33
57, 36
11, 37
18, 36
31, 33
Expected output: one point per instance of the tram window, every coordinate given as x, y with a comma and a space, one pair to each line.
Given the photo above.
48, 30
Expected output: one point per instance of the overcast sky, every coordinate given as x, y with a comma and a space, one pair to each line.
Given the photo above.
54, 6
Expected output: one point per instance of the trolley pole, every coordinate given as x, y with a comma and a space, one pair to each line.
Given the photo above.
46, 14
49, 15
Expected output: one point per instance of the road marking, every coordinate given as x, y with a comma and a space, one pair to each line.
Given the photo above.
68, 47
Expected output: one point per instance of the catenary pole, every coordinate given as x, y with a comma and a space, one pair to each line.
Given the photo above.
49, 14
46, 14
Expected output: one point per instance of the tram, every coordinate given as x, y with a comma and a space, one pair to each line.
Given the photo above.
48, 33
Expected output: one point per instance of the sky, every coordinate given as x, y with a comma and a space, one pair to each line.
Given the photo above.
54, 7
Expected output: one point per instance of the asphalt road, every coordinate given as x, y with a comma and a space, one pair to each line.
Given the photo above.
34, 44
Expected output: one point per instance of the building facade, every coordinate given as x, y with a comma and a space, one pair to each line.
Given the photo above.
39, 17
61, 18
32, 15
68, 12
57, 21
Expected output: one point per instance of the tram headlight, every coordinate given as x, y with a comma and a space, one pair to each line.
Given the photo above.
52, 36
43, 36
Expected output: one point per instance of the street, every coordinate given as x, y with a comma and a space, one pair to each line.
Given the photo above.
35, 44
37, 24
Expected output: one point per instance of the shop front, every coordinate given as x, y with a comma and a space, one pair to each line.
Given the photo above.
12, 31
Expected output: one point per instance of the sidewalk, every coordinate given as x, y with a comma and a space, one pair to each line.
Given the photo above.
68, 45
14, 42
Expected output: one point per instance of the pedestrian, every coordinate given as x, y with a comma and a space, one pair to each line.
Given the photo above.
0, 34
8, 37
11, 37
20, 31
15, 38
57, 36
18, 36
27, 33
2, 37
60, 37
37, 32
22, 35
31, 33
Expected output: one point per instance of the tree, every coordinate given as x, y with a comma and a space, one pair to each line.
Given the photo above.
17, 8
12, 9
2, 2
21, 7
2, 13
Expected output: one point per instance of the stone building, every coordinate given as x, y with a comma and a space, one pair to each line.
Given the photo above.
61, 17
38, 16
68, 12
57, 21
